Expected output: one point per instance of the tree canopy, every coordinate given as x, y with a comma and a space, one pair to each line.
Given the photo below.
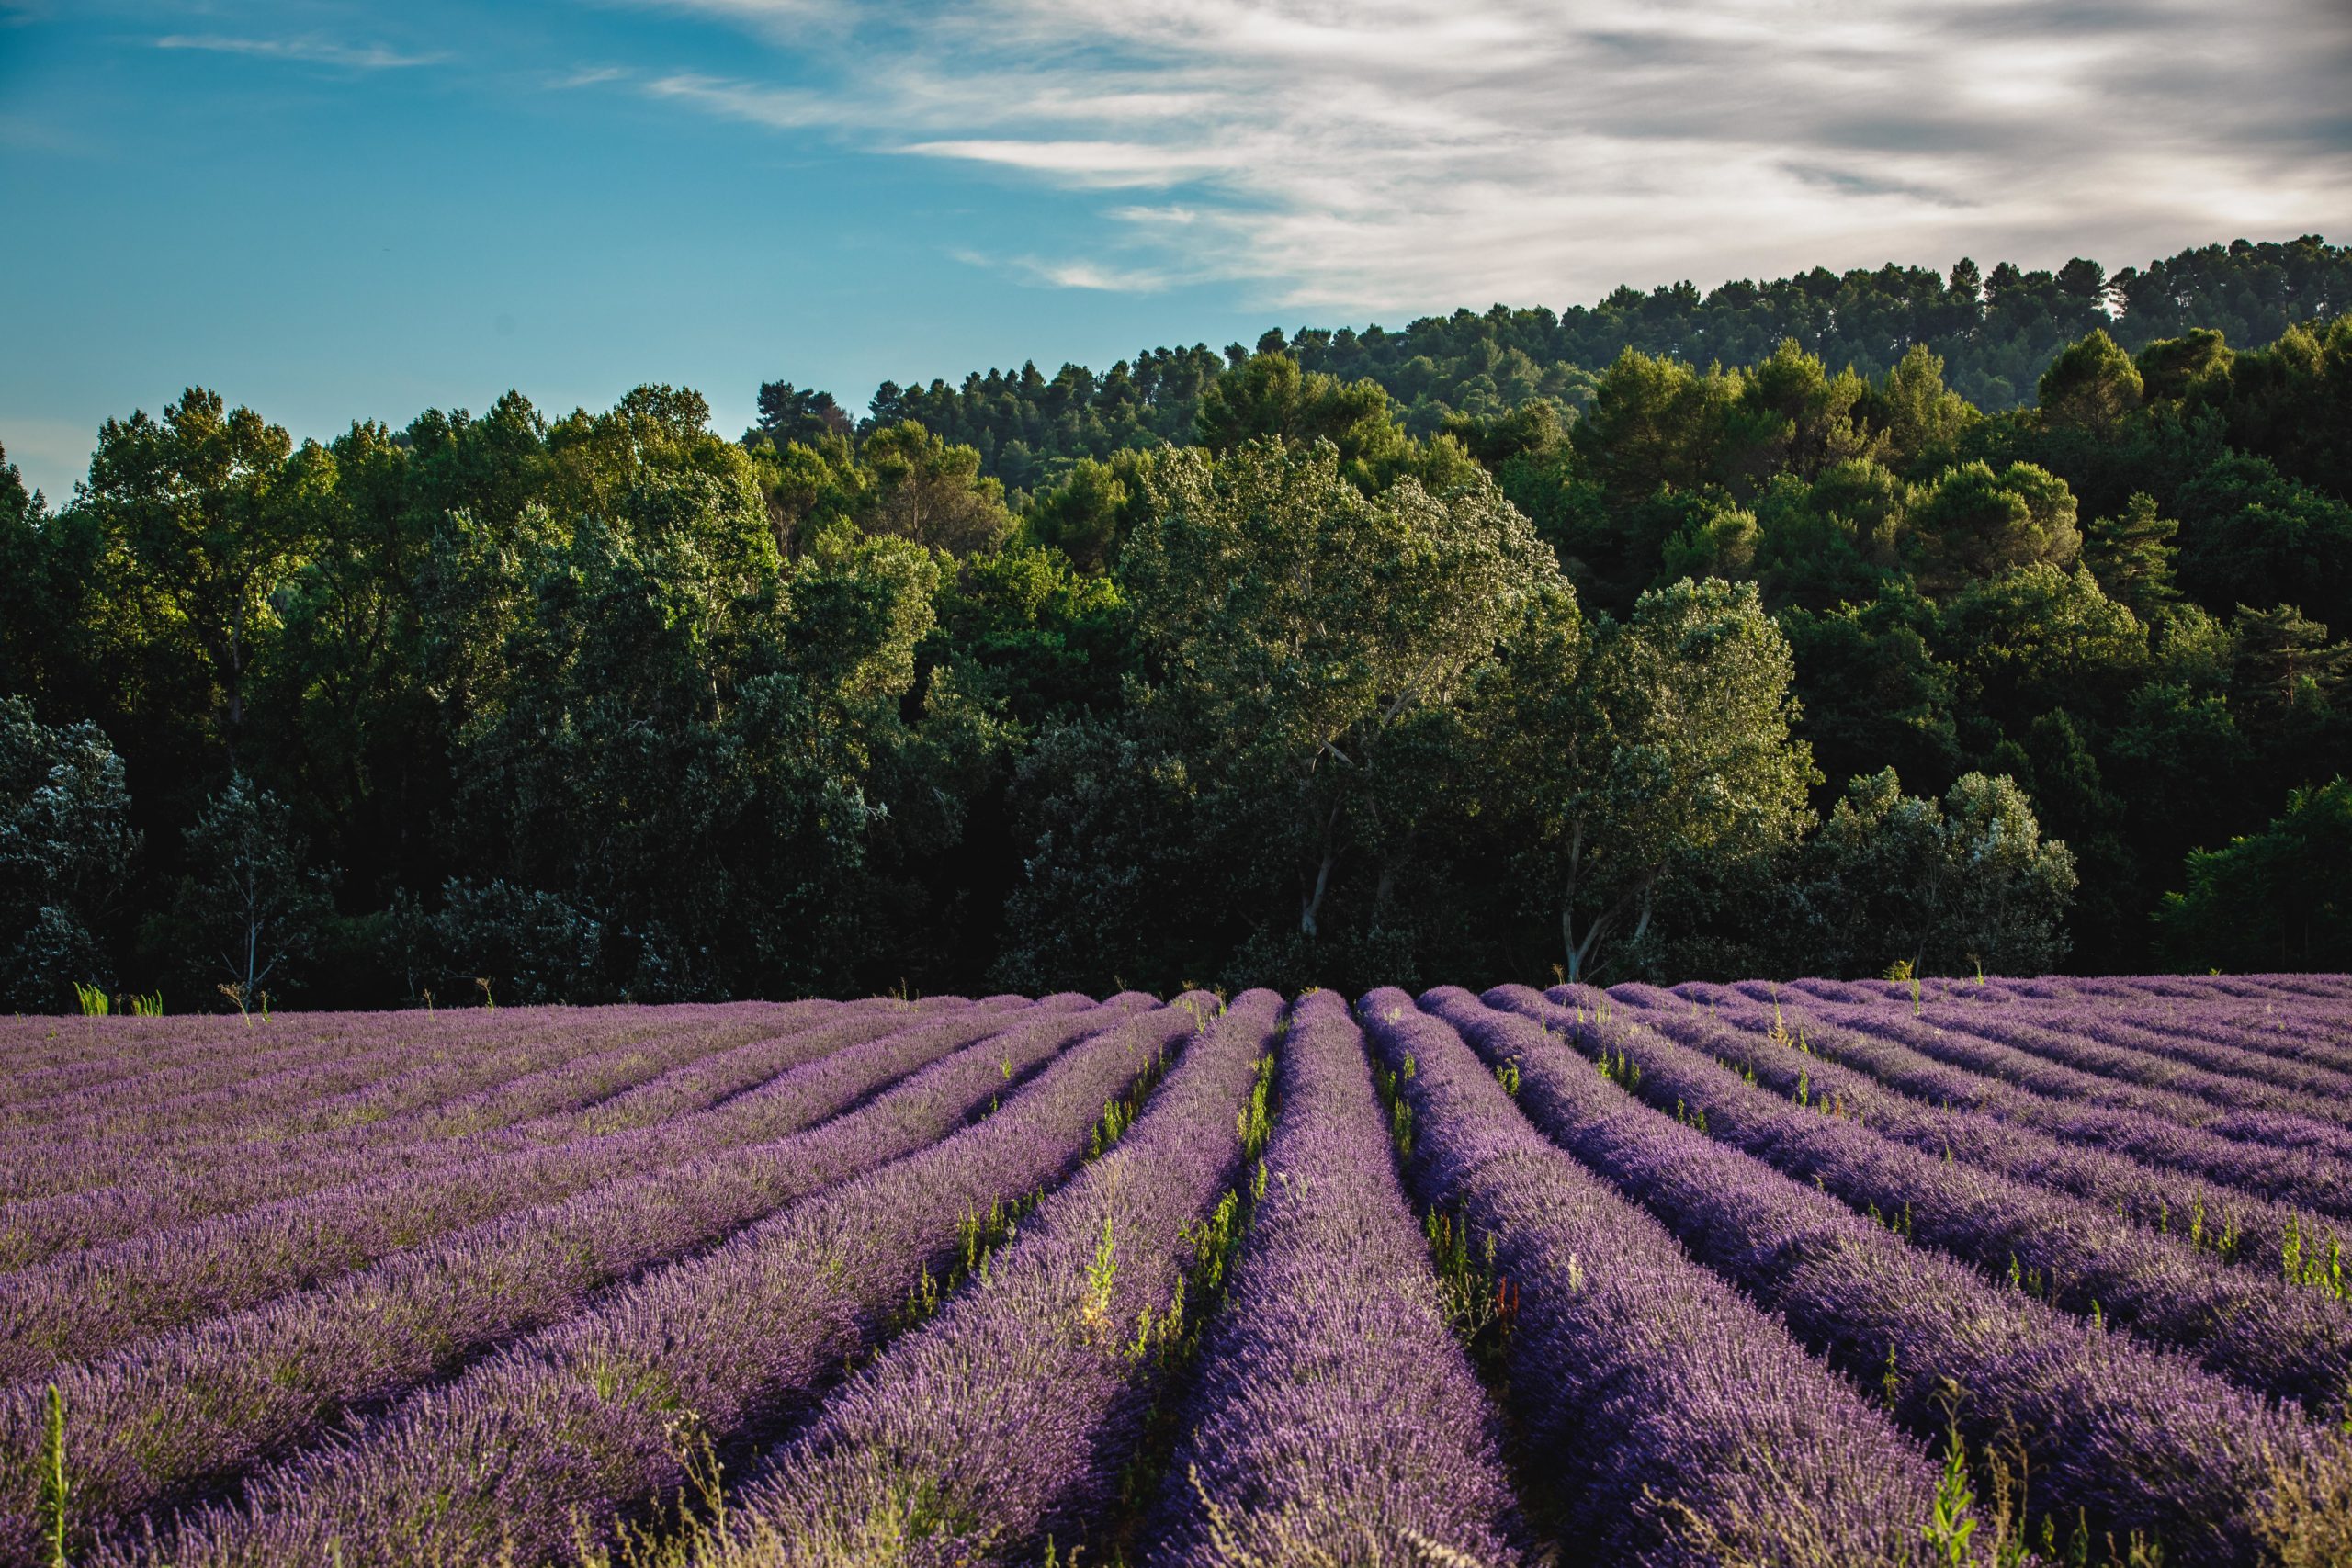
1608, 640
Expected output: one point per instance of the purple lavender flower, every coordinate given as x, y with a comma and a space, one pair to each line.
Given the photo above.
1335, 1418
1007, 1420
564, 1430
235, 1390
2131, 1439
1667, 1419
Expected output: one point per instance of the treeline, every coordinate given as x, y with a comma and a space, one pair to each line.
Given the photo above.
1751, 670
1994, 331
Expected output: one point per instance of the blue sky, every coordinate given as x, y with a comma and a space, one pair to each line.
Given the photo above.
328, 210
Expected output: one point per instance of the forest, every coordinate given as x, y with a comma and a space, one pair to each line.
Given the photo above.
1890, 622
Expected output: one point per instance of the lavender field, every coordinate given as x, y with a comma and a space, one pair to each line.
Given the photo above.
1985, 1271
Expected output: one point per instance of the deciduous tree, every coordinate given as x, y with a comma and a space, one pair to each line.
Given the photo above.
1661, 747
66, 847
1946, 888
250, 909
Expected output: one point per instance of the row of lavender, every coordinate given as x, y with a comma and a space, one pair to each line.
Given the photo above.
1214, 1348
104, 1297
1611, 1259
160, 1416
2091, 1100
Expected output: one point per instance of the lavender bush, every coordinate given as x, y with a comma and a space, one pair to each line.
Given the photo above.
2256, 1328
1915, 1057
234, 1160
2133, 1439
1795, 1057
1990, 1045
98, 1300
559, 1433
1987, 1271
237, 1389
1670, 1421
1008, 1420
1336, 1420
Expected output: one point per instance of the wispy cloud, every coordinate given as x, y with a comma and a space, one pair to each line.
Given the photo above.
24, 131
1108, 163
1095, 276
590, 76
312, 50
779, 108
1390, 153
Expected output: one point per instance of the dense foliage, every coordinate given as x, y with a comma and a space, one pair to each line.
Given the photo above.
2284, 892
1995, 331
1796, 660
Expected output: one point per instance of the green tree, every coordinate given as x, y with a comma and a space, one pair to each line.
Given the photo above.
2131, 556
1975, 522
1269, 397
2251, 535
1530, 431
2041, 638
249, 912
208, 511
795, 712
1026, 627
1945, 887
1654, 422
1722, 540
2285, 668
1791, 416
66, 848
1922, 418
2196, 365
57, 634
814, 491
2056, 760
932, 493
788, 414
491, 467
2278, 899
1111, 888
1874, 687
2291, 402
1307, 648
1995, 333
1089, 514
1829, 542
681, 738
2180, 761
344, 723
2092, 386
1659, 749
526, 944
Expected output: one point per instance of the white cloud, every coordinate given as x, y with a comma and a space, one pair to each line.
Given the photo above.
590, 76
1088, 163
312, 51
1090, 275
1376, 154
778, 107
